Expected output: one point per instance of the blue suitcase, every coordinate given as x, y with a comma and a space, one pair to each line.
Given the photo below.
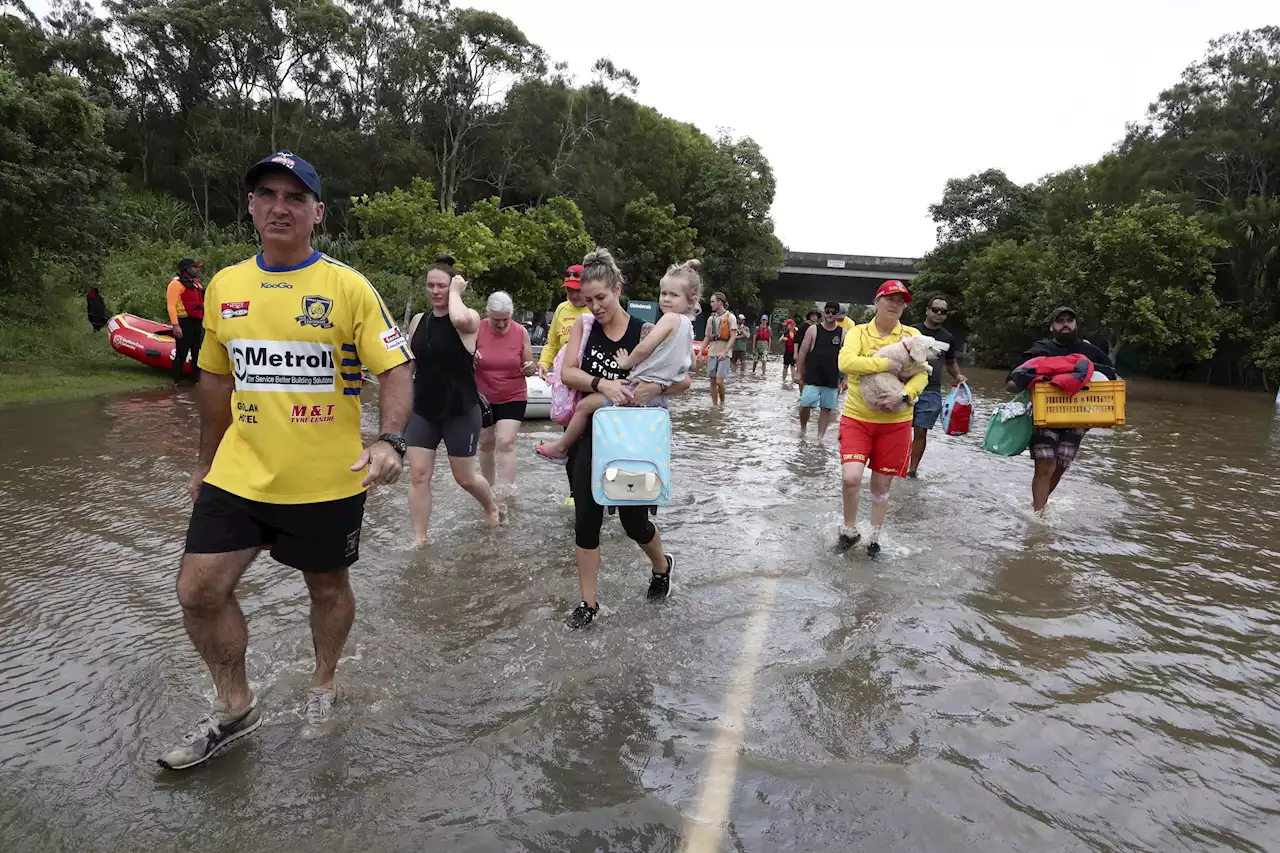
631, 457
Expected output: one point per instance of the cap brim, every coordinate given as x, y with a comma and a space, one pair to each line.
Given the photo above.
573, 283
256, 171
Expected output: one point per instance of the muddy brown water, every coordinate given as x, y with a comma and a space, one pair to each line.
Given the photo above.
1102, 680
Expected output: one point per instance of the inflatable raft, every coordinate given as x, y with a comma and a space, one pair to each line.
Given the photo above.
146, 341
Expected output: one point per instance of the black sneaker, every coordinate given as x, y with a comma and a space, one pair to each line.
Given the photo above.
915, 475
581, 616
660, 585
846, 542
873, 549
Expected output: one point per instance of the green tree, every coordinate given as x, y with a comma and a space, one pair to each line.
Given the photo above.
1145, 275
55, 172
653, 237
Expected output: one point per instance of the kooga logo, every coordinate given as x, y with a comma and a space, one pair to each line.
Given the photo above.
283, 365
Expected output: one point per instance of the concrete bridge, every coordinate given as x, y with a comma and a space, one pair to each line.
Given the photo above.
836, 278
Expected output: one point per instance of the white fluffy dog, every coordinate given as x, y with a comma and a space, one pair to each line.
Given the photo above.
906, 358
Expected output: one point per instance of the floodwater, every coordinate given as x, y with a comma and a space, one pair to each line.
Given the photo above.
1102, 680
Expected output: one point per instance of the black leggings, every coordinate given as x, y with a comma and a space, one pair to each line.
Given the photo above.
589, 515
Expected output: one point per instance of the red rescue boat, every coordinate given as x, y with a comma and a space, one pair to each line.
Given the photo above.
146, 341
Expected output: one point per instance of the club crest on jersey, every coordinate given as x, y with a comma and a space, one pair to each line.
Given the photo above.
315, 312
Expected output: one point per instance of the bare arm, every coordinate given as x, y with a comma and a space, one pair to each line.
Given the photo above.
806, 346
527, 367
466, 321
395, 398
668, 324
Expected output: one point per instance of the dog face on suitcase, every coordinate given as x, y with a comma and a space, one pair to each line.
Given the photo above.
623, 485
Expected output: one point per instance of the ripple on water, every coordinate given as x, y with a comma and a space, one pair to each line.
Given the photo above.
1095, 680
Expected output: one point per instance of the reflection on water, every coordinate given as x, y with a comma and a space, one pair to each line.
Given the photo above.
1104, 680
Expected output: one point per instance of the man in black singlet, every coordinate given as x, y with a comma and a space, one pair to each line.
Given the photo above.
818, 363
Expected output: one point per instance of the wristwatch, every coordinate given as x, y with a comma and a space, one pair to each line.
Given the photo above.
906, 398
397, 442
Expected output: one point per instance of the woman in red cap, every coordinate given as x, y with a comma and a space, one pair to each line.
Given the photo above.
878, 438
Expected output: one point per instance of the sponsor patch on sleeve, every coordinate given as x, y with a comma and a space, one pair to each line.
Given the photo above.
392, 339
234, 309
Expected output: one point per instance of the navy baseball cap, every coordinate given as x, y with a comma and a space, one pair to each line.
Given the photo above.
289, 162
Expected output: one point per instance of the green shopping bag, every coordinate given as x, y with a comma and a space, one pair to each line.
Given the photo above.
1009, 437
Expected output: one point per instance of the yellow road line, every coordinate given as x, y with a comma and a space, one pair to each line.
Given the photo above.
704, 830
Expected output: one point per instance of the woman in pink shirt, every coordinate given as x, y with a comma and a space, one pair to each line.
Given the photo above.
504, 357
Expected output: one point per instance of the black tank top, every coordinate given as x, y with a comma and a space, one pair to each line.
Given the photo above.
600, 358
822, 364
444, 379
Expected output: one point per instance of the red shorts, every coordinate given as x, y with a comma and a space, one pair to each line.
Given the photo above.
885, 448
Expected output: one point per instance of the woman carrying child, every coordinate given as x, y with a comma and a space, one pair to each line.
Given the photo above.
661, 368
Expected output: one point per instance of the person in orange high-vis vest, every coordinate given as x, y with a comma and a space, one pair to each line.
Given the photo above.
185, 297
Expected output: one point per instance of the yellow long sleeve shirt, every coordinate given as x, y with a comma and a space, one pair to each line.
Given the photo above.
558, 334
856, 361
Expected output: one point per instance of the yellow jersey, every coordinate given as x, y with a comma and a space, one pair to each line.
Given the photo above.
558, 334
846, 323
295, 339
856, 361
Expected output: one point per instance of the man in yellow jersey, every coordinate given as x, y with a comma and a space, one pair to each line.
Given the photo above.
876, 438
281, 463
573, 307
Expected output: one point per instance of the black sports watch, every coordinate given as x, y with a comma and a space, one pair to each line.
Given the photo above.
397, 442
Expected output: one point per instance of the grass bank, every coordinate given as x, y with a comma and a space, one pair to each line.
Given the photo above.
65, 358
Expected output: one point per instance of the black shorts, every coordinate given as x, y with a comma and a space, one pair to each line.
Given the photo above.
789, 358
513, 411
461, 434
317, 537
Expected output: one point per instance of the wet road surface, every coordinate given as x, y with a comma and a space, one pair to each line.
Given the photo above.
1103, 680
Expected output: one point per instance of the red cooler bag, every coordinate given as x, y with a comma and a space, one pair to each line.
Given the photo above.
957, 411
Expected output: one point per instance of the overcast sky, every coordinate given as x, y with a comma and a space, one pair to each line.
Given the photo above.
866, 108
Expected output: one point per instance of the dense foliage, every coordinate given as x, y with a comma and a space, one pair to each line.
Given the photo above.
1169, 245
433, 128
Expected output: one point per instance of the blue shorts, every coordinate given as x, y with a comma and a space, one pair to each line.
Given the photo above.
928, 408
816, 395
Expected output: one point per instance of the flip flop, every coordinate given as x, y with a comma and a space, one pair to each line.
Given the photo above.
555, 460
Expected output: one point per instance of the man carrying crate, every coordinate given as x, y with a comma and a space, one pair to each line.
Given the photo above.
1055, 449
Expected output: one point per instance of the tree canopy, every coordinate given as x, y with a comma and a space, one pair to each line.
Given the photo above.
449, 116
1169, 244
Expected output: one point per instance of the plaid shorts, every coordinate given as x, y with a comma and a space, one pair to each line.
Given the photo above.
1060, 445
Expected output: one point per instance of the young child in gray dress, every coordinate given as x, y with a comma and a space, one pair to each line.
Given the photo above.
663, 356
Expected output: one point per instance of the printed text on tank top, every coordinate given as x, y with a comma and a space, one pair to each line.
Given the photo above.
600, 358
